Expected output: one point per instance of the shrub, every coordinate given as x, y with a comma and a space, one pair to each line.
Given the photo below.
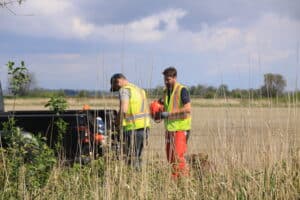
27, 160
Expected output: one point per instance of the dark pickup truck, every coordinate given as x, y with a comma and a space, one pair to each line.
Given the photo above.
87, 130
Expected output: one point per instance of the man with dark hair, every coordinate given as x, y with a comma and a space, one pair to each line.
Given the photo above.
170, 72
133, 117
177, 118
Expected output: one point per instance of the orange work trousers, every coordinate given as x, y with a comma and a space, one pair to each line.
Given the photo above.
176, 147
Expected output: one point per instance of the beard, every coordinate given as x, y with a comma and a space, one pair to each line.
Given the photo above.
168, 85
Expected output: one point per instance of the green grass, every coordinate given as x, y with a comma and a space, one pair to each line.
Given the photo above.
112, 179
255, 150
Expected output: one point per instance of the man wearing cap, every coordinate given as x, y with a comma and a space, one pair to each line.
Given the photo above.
134, 117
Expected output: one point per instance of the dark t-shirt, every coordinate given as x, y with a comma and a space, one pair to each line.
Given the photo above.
185, 96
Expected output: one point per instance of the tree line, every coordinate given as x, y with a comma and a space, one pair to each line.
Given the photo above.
273, 86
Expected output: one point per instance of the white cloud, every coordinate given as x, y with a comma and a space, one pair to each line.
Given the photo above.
270, 38
273, 37
62, 19
216, 39
143, 30
53, 19
42, 7
81, 28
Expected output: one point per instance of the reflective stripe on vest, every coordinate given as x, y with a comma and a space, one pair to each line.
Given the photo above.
135, 117
180, 121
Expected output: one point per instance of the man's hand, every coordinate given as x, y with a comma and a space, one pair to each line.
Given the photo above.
164, 115
118, 122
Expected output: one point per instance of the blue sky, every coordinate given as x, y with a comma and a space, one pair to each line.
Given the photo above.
78, 44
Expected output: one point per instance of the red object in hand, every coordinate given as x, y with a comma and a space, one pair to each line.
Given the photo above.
155, 109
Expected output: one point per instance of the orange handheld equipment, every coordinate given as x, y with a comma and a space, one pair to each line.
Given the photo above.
155, 109
86, 107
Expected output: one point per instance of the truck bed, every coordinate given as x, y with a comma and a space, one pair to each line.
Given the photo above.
42, 122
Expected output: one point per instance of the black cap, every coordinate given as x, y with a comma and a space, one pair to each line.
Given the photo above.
113, 78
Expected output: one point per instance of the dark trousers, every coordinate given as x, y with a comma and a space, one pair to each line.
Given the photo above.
134, 144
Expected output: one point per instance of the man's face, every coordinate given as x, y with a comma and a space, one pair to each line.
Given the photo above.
170, 81
116, 84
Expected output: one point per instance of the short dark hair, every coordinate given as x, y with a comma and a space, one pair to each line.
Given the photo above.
116, 76
113, 79
170, 72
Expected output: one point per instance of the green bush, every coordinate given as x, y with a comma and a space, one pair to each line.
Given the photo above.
26, 160
57, 104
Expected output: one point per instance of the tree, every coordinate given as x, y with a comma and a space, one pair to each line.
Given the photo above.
158, 91
198, 90
210, 92
223, 91
28, 86
274, 85
82, 94
18, 77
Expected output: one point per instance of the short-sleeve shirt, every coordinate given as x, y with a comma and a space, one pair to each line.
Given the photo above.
124, 94
185, 96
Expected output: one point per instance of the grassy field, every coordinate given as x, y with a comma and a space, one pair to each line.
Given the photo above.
102, 103
254, 146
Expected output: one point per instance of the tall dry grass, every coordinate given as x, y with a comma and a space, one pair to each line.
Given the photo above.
256, 152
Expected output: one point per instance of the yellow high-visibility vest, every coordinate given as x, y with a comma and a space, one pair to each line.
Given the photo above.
182, 121
137, 115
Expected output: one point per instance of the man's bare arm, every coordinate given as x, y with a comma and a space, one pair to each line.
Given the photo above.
187, 108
